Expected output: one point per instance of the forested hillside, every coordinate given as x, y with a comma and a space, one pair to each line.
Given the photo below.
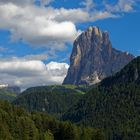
113, 106
54, 100
18, 124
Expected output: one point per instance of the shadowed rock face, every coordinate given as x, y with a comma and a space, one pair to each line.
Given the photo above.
93, 58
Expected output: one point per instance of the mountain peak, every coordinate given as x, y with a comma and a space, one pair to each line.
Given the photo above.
94, 30
93, 58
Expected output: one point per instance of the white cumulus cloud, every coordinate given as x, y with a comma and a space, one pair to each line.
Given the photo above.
28, 73
45, 26
35, 25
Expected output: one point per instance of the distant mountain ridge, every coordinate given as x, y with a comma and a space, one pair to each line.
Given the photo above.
93, 58
11, 88
8, 93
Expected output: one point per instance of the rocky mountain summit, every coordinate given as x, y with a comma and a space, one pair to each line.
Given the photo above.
93, 58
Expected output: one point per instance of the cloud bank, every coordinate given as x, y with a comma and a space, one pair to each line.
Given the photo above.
35, 25
28, 73
45, 25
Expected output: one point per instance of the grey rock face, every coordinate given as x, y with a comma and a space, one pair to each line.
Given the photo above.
93, 58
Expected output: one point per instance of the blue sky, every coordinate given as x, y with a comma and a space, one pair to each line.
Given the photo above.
43, 31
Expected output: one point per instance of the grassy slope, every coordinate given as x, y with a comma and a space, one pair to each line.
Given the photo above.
54, 99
